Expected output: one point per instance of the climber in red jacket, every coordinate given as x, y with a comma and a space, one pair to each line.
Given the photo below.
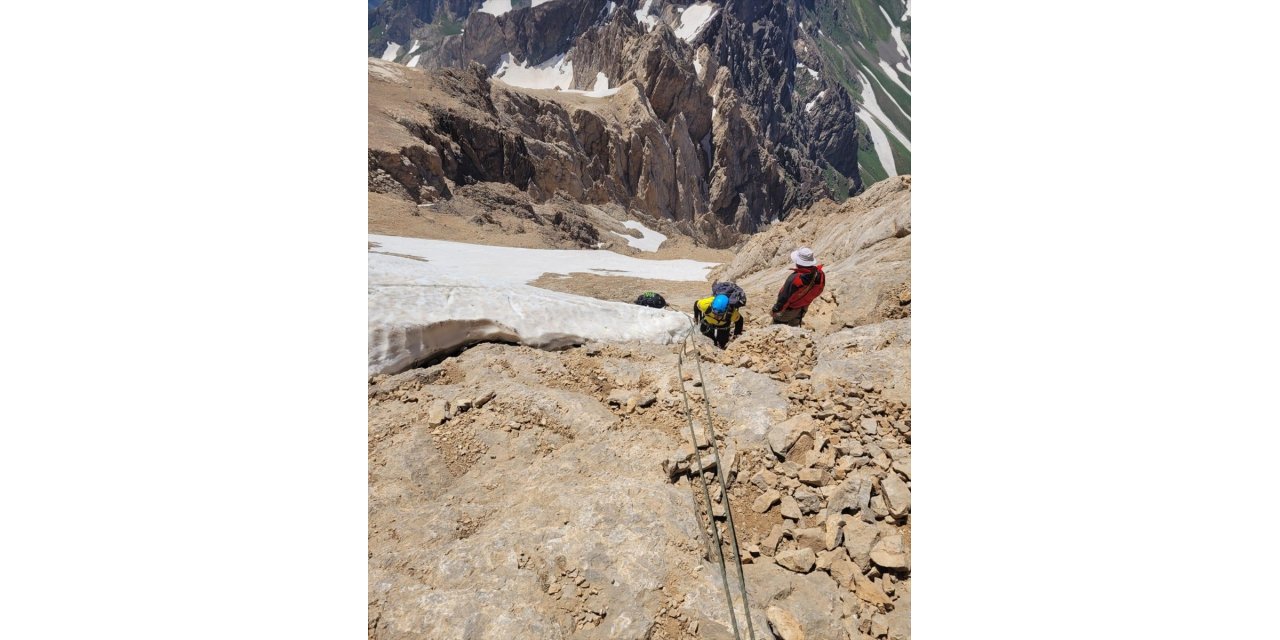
802, 287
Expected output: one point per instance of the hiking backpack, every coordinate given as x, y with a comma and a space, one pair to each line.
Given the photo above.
651, 299
737, 297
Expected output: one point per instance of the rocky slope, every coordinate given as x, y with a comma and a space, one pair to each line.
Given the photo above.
744, 114
799, 64
864, 245
520, 493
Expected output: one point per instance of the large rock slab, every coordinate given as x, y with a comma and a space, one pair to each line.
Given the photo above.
784, 625
890, 552
897, 494
783, 436
798, 560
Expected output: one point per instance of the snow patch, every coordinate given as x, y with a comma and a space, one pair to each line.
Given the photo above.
411, 322
902, 68
893, 75
601, 88
390, 52
897, 35
869, 104
649, 239
413, 62
515, 265
610, 9
642, 15
412, 47
697, 68
433, 296
555, 72
907, 15
891, 98
693, 19
538, 2
881, 143
809, 107
495, 7
801, 65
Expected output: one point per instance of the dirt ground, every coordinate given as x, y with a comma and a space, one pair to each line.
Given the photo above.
680, 295
453, 220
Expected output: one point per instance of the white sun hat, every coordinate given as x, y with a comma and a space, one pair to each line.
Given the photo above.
804, 257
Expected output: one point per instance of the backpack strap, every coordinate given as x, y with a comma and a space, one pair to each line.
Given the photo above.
802, 292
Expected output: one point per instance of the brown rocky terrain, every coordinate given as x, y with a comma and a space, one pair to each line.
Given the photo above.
520, 493
704, 133
863, 244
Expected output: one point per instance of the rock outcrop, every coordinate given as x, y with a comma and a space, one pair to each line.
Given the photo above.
864, 245
705, 132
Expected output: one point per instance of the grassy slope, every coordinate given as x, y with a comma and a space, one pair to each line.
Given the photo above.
845, 24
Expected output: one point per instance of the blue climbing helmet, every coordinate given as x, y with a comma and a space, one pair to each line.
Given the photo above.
720, 304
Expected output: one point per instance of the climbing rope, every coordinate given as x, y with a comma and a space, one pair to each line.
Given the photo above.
720, 471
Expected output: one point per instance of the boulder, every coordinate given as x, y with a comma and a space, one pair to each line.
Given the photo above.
815, 477
766, 500
810, 502
784, 625
859, 538
896, 494
867, 590
890, 552
790, 508
811, 538
783, 436
798, 560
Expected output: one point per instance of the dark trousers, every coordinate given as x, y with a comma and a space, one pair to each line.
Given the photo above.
791, 317
719, 335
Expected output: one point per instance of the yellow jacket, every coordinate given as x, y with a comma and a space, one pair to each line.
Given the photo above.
703, 313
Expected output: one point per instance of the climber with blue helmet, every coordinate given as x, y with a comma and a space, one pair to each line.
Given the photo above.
716, 317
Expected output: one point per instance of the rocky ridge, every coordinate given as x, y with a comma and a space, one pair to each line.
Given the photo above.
721, 148
801, 65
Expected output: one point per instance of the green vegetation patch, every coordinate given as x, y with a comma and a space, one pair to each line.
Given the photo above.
447, 24
837, 183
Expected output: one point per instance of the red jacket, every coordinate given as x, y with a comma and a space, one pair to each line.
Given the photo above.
801, 288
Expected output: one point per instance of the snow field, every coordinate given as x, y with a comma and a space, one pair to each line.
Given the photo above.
435, 296
869, 104
693, 19
650, 240
893, 75
642, 15
552, 73
897, 35
517, 266
495, 7
881, 142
